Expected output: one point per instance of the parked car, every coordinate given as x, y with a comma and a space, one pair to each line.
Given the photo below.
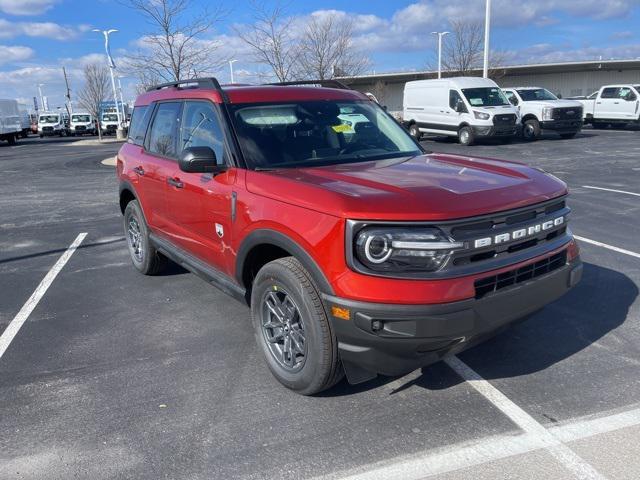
52, 123
542, 110
109, 123
465, 107
10, 126
82, 123
363, 257
615, 105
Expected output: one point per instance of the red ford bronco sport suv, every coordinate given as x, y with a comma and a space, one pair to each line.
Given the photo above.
358, 252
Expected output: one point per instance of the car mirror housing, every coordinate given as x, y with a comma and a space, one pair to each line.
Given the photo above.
200, 160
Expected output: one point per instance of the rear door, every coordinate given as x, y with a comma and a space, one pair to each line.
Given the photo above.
200, 204
626, 104
606, 104
158, 159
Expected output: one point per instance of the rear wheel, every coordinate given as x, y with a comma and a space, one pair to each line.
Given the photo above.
414, 131
292, 328
144, 256
531, 129
12, 140
465, 136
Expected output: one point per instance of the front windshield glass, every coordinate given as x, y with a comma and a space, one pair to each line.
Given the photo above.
485, 97
315, 133
80, 118
49, 118
533, 94
109, 117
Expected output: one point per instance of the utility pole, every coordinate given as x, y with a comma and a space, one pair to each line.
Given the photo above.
40, 85
487, 27
440, 35
112, 66
124, 116
231, 62
68, 95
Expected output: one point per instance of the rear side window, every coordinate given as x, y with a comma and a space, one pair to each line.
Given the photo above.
200, 127
610, 92
139, 123
163, 136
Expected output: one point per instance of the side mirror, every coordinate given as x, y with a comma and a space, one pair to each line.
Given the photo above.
200, 160
513, 101
460, 108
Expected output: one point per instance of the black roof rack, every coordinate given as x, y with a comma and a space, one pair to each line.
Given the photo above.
322, 83
208, 82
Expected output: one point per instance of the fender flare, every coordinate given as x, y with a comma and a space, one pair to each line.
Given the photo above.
126, 185
273, 237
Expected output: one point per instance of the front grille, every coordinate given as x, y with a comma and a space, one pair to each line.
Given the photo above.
488, 285
80, 128
504, 119
47, 129
567, 113
111, 127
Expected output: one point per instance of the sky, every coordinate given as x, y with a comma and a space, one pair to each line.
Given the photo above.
39, 37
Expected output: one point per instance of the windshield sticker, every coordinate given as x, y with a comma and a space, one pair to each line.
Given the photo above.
344, 128
476, 102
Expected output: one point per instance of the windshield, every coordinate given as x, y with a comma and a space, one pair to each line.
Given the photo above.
485, 97
110, 117
531, 95
318, 133
49, 119
80, 118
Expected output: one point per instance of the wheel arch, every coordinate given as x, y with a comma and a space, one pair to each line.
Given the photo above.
265, 245
529, 116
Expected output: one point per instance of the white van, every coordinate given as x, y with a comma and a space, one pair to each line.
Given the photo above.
81, 123
51, 123
463, 107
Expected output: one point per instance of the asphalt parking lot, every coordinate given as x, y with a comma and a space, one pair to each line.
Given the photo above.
117, 375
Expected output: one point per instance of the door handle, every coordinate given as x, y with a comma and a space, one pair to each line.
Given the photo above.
138, 171
616, 103
175, 182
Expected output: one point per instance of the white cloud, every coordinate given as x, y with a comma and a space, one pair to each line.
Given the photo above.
37, 29
10, 54
26, 7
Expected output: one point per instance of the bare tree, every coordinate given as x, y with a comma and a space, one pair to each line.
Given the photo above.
379, 90
94, 92
271, 40
463, 51
327, 51
174, 48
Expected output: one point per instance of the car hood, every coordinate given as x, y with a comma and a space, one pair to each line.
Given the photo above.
425, 187
556, 103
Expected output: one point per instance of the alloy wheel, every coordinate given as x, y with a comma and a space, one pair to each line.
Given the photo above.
134, 236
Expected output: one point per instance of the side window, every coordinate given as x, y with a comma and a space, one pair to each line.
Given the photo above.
164, 130
610, 92
139, 123
513, 100
454, 98
200, 128
626, 93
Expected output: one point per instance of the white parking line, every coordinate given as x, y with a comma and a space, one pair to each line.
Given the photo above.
14, 326
609, 247
567, 457
611, 190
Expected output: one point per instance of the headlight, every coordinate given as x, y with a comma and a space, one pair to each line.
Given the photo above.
481, 115
547, 113
403, 249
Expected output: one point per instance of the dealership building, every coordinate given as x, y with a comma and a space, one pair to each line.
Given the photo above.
569, 79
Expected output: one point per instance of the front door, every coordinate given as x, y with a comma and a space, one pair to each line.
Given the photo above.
200, 204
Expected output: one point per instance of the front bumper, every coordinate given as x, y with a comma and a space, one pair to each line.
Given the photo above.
562, 125
495, 131
391, 339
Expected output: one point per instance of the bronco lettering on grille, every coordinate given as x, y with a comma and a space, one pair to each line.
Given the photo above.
518, 234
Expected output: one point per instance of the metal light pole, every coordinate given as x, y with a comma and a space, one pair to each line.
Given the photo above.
40, 85
487, 27
440, 35
231, 62
124, 115
112, 66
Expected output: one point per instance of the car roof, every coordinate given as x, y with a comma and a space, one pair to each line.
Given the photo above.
251, 94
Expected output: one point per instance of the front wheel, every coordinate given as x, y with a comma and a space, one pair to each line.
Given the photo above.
144, 256
465, 136
414, 131
292, 328
531, 130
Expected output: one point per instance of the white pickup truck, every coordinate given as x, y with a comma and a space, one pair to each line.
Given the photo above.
10, 127
541, 110
614, 105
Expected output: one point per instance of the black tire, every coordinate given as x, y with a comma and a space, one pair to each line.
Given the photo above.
568, 135
147, 259
41, 135
12, 140
318, 367
415, 132
531, 130
466, 136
